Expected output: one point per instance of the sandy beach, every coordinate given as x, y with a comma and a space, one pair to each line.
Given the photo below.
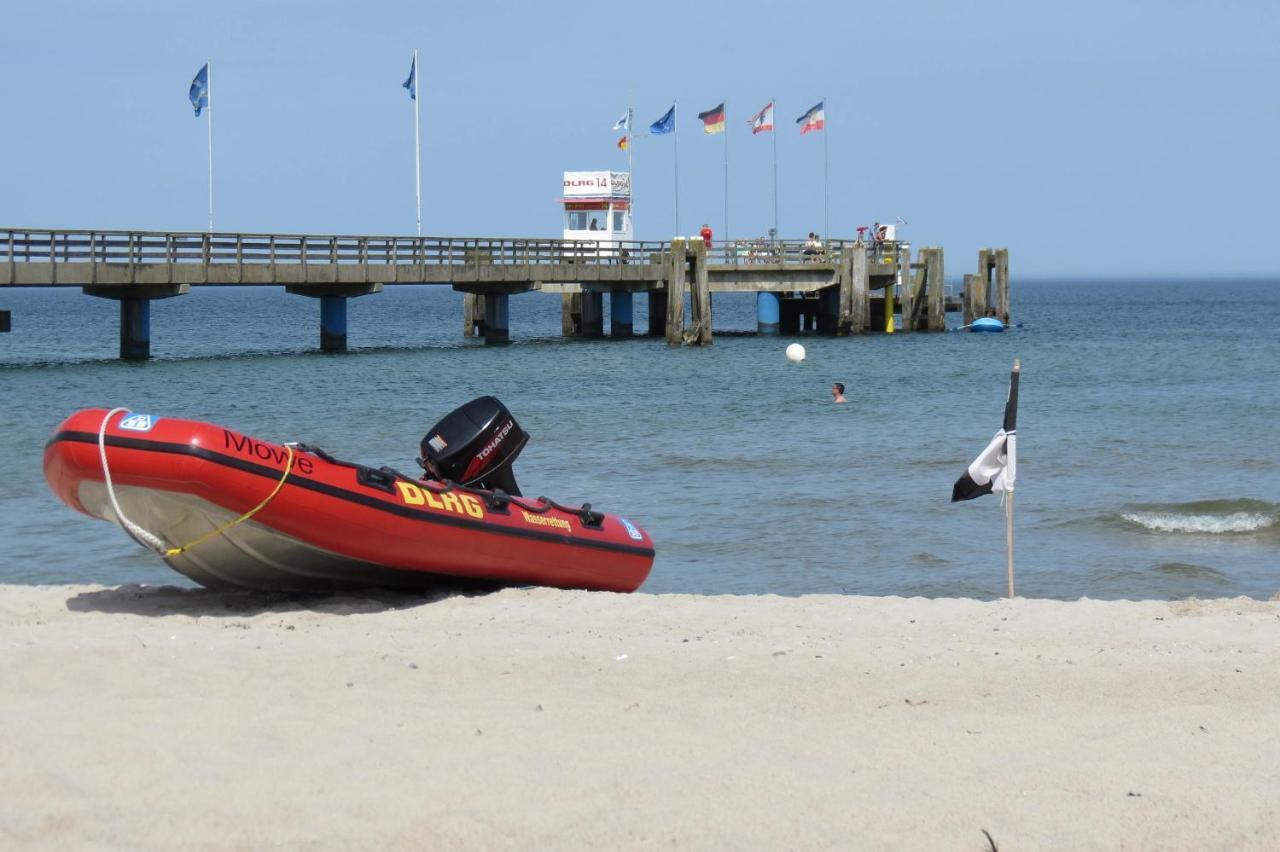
162, 718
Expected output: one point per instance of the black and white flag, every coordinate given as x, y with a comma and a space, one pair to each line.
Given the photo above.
996, 467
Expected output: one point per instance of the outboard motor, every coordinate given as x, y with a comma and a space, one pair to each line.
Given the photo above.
475, 445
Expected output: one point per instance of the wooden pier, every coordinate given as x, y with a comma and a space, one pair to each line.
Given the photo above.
844, 287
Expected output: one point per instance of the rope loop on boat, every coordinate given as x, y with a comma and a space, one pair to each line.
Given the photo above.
154, 542
139, 535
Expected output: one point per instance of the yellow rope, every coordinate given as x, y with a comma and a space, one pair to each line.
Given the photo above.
288, 465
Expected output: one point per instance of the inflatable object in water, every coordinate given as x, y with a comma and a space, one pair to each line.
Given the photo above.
986, 324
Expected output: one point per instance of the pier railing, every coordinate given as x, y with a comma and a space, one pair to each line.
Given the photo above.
798, 252
158, 247
151, 247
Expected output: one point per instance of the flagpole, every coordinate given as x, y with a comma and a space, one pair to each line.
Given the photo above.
1008, 506
417, 144
675, 132
209, 95
724, 117
826, 173
774, 132
631, 174
1008, 531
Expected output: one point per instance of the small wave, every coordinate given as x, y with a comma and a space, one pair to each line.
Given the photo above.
1206, 517
1193, 572
1240, 522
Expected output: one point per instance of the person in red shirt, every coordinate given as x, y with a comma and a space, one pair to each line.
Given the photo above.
705, 233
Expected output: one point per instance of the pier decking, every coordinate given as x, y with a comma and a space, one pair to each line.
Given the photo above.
841, 288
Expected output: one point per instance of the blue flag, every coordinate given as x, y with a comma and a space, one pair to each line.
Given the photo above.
666, 124
412, 83
199, 93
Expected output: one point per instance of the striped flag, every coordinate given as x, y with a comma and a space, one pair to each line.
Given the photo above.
713, 119
814, 119
622, 144
996, 467
762, 122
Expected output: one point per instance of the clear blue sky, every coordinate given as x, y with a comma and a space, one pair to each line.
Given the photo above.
1088, 137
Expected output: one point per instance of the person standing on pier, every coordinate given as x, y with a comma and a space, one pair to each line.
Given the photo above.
705, 233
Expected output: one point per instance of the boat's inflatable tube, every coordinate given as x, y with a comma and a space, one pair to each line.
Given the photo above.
322, 523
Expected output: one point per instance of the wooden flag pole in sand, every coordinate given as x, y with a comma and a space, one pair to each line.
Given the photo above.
1008, 530
1012, 455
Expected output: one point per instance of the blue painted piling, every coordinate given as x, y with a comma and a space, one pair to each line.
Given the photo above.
768, 313
135, 329
497, 318
333, 323
620, 314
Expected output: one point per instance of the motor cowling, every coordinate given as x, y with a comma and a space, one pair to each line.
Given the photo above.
475, 445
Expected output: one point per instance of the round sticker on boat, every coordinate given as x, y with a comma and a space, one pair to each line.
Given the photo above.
631, 529
139, 422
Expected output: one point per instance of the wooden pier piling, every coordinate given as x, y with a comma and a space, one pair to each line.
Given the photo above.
472, 314
571, 314
860, 293
676, 274
982, 293
904, 282
935, 295
1002, 285
844, 277
699, 296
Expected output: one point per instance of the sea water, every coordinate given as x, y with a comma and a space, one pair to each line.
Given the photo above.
1149, 459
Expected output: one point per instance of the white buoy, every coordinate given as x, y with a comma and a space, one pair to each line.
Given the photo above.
795, 353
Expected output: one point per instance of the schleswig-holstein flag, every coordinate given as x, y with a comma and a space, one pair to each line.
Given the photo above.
814, 118
996, 467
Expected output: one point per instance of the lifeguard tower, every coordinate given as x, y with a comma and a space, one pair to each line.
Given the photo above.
597, 207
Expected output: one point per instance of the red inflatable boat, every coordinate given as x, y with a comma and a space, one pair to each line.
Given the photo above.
227, 509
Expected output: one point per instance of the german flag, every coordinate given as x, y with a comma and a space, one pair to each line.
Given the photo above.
622, 144
713, 119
